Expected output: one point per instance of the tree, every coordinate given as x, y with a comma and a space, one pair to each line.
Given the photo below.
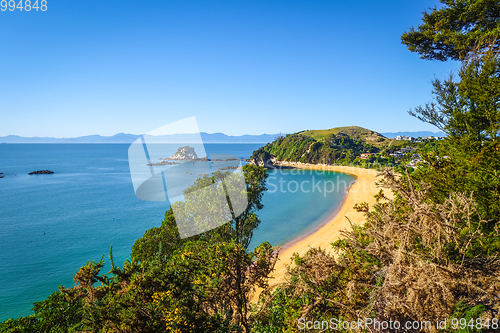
219, 295
239, 230
453, 31
56, 314
468, 159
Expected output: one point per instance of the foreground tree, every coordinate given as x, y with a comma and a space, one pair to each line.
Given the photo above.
166, 238
467, 109
455, 30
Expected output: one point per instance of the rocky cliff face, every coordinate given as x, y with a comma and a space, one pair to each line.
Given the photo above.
269, 163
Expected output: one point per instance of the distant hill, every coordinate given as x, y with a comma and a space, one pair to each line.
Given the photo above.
117, 138
413, 134
129, 138
354, 132
331, 146
339, 145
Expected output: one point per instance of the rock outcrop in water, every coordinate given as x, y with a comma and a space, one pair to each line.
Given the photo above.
184, 153
163, 162
267, 161
187, 153
41, 172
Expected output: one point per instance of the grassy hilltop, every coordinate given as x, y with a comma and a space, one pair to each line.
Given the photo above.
355, 132
340, 145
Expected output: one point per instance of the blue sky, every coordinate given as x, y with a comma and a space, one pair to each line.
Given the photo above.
241, 67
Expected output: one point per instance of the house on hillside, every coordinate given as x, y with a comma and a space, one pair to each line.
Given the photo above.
365, 155
414, 162
401, 137
397, 154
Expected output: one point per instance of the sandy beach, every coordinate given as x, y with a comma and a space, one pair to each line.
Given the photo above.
363, 190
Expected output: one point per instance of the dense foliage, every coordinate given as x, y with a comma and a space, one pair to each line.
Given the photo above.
468, 160
301, 148
456, 29
343, 148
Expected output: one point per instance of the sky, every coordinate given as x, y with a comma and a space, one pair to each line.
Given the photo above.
240, 67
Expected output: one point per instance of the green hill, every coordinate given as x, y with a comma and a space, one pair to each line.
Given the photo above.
336, 145
354, 132
339, 145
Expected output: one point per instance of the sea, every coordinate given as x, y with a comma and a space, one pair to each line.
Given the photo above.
51, 225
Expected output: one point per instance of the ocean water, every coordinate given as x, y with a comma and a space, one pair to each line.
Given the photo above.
51, 225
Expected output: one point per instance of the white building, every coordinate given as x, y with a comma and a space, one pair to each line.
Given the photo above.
407, 138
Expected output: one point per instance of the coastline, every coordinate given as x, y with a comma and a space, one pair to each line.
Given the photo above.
363, 189
324, 221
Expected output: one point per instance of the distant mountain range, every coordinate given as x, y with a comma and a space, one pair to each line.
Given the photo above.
206, 137
129, 138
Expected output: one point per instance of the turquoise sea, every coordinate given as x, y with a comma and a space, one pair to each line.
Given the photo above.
51, 225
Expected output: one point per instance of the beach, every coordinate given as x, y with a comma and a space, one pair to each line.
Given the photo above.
363, 190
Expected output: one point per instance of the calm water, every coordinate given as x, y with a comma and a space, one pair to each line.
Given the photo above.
51, 225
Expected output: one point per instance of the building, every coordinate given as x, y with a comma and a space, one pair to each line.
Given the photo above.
397, 154
365, 155
413, 163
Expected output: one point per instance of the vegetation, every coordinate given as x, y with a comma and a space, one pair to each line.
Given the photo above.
340, 146
468, 161
354, 132
302, 148
411, 261
456, 29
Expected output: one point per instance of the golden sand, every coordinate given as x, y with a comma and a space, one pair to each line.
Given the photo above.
363, 190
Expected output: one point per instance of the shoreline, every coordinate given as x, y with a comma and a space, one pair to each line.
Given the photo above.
324, 221
363, 189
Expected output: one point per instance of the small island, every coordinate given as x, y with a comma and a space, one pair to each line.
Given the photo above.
187, 153
184, 153
163, 162
41, 172
229, 168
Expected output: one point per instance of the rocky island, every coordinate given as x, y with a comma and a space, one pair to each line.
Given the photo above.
41, 172
229, 168
186, 153
163, 162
